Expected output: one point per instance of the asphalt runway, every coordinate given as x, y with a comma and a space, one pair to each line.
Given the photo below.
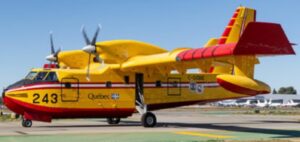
184, 124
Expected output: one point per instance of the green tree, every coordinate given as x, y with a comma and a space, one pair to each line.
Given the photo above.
287, 90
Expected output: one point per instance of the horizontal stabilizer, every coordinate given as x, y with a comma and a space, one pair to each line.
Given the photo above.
263, 39
257, 39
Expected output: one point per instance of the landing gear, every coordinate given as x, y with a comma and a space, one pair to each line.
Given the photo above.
26, 123
148, 119
114, 120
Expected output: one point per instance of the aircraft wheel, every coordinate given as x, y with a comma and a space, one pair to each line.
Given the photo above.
26, 123
148, 119
113, 120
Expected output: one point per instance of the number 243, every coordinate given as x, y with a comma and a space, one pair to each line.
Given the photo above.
45, 99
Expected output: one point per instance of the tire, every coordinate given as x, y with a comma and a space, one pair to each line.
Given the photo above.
26, 123
148, 119
113, 120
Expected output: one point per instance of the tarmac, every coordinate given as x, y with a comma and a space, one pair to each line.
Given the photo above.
184, 124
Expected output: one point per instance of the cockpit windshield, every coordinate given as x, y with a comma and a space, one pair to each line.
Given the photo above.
51, 76
40, 76
31, 75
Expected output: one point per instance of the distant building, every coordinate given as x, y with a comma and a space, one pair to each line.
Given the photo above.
284, 97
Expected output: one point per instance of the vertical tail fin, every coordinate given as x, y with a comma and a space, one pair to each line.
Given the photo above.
237, 24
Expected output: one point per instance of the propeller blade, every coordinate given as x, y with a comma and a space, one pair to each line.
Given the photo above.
56, 53
51, 43
96, 35
88, 69
86, 38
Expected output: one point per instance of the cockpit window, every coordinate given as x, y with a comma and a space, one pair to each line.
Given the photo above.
31, 75
51, 76
40, 76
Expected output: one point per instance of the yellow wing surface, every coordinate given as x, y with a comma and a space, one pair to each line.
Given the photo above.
112, 52
167, 61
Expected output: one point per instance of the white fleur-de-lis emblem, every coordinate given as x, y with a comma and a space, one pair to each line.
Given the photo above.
115, 96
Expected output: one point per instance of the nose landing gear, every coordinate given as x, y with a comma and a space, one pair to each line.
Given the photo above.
26, 123
114, 120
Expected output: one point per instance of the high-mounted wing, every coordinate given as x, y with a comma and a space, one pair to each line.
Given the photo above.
118, 51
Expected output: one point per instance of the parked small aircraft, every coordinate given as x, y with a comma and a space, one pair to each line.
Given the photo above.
114, 79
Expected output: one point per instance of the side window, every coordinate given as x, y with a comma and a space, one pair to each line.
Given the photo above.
40, 76
126, 79
51, 76
158, 83
108, 84
31, 75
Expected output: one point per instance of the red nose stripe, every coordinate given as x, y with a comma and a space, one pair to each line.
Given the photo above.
21, 107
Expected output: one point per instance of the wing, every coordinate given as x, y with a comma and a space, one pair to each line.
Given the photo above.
118, 51
163, 62
75, 59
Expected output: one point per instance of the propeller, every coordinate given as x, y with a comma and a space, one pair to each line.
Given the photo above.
53, 57
90, 48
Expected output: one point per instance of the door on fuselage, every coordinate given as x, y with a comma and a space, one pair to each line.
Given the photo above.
69, 90
174, 86
139, 89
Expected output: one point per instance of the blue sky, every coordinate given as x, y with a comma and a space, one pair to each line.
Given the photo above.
25, 26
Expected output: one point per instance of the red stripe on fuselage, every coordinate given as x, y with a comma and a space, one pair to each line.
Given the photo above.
114, 86
20, 107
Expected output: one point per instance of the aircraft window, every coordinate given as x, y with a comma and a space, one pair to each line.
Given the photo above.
126, 79
40, 76
108, 84
51, 76
158, 83
31, 75
174, 84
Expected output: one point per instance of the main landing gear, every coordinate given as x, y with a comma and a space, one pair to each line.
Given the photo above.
148, 118
114, 120
26, 123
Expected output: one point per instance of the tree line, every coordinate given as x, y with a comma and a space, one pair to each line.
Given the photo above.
285, 90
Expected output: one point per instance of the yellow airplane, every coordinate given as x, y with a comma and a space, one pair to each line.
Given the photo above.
114, 79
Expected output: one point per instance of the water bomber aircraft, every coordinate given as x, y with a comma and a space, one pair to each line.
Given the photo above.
114, 79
